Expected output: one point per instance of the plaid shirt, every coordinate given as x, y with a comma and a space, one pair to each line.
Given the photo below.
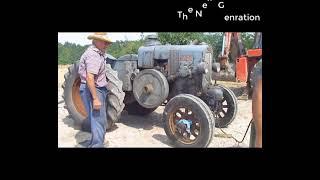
93, 61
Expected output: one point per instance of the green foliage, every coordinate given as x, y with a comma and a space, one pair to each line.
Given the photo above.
247, 39
120, 48
69, 53
213, 39
181, 38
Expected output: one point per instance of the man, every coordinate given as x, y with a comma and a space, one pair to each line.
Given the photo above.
257, 107
93, 91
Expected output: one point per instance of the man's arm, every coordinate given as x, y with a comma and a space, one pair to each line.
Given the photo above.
92, 88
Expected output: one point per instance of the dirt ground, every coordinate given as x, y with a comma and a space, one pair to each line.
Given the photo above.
147, 131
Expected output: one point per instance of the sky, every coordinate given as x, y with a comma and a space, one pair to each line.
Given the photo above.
81, 38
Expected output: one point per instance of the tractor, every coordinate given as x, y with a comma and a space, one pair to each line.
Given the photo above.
177, 76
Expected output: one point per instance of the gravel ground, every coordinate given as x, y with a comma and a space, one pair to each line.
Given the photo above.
146, 131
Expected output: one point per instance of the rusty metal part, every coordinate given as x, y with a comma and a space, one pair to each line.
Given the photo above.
173, 63
150, 88
183, 136
224, 63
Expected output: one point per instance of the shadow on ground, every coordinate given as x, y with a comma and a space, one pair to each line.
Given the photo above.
238, 91
83, 138
146, 122
70, 122
163, 139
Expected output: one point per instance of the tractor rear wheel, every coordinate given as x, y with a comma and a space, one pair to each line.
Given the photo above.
75, 106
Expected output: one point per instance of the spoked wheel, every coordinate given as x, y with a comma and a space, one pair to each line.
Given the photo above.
227, 109
188, 123
185, 114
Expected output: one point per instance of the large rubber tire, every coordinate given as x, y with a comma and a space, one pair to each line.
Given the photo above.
207, 108
74, 103
232, 108
202, 114
136, 109
116, 95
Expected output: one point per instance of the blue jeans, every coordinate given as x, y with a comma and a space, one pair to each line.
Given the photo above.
97, 118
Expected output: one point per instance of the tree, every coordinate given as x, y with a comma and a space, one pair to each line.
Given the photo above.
247, 39
214, 40
175, 38
69, 53
120, 48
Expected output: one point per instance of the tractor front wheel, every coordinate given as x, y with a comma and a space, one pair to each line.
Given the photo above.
188, 121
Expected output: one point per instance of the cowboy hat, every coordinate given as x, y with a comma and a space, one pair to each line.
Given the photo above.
100, 36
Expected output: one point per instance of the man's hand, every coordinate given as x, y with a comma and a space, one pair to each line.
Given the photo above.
92, 88
96, 104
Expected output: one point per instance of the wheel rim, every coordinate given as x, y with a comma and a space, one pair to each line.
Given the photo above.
226, 110
223, 109
76, 98
184, 113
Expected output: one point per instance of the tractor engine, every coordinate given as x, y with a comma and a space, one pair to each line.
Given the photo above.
186, 67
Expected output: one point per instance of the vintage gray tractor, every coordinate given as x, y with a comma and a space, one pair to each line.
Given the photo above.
179, 76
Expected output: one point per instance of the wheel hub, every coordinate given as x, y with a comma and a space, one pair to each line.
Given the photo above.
150, 88
185, 126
